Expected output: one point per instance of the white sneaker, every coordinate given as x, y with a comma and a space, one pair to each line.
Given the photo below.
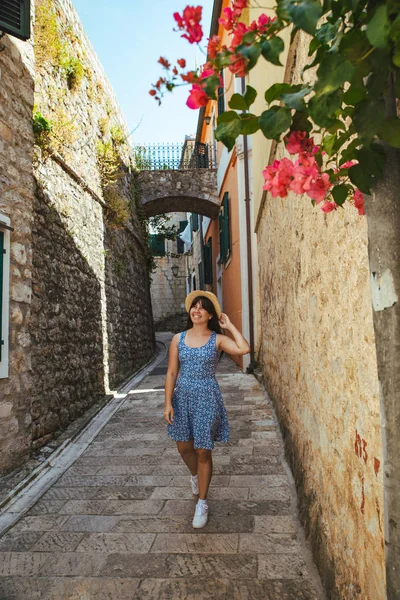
194, 481
200, 516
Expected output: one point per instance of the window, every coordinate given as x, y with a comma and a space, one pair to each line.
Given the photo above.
221, 96
208, 265
195, 222
157, 244
15, 18
224, 229
4, 292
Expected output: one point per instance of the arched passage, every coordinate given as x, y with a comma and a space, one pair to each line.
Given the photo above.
179, 191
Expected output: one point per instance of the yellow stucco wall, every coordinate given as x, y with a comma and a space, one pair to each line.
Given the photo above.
319, 364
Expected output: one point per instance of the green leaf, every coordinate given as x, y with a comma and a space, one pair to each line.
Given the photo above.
327, 32
333, 71
212, 84
322, 109
227, 117
361, 178
368, 117
271, 49
340, 193
396, 58
372, 159
275, 91
249, 37
228, 130
379, 27
314, 45
306, 14
275, 121
354, 45
350, 152
237, 102
354, 95
223, 59
251, 53
390, 132
300, 122
250, 95
337, 125
249, 124
296, 100
329, 143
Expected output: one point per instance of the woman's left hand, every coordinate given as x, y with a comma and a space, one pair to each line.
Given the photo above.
224, 321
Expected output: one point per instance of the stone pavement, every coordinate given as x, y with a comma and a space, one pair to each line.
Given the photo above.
117, 524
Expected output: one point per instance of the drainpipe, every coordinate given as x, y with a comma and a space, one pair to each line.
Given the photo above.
251, 366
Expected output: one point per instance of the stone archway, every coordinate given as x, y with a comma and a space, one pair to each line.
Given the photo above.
191, 190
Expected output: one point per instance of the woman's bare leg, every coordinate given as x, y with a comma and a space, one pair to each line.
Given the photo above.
204, 461
189, 455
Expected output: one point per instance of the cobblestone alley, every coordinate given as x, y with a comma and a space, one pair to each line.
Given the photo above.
117, 524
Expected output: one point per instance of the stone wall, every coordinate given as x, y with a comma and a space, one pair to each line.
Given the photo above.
83, 247
319, 365
16, 199
99, 266
168, 293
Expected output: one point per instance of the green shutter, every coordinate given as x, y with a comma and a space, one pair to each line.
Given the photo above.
182, 226
221, 236
208, 265
15, 18
195, 222
2, 253
227, 226
157, 245
224, 229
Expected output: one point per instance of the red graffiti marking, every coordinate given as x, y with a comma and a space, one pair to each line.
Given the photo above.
377, 464
362, 507
360, 447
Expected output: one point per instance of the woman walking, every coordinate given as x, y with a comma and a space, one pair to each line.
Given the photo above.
194, 409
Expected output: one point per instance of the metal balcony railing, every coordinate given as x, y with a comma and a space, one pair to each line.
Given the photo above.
175, 156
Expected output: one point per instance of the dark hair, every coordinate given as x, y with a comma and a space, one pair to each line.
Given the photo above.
206, 303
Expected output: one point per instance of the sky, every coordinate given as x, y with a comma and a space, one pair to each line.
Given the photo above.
129, 36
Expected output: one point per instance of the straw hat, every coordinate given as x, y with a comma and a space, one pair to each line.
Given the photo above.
198, 294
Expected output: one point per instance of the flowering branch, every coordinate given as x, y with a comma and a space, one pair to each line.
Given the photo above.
355, 52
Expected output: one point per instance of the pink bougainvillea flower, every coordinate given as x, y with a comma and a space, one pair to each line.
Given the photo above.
163, 61
239, 4
214, 46
328, 207
359, 201
190, 23
182, 63
278, 177
319, 188
348, 164
298, 142
304, 173
238, 34
197, 97
264, 23
190, 76
238, 65
228, 20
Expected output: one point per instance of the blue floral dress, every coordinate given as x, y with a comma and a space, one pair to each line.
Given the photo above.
199, 411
